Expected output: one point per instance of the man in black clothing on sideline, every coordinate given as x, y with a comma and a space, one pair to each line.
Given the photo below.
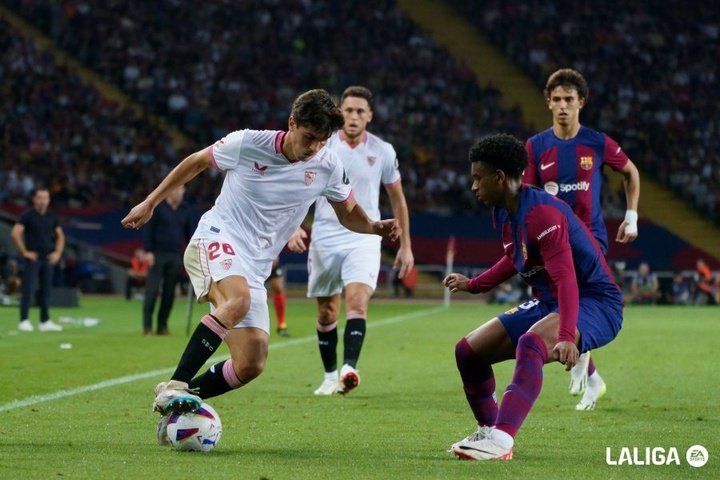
165, 236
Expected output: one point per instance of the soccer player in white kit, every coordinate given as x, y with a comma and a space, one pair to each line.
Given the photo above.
271, 179
340, 258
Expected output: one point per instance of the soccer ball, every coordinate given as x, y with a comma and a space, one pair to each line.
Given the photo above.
197, 431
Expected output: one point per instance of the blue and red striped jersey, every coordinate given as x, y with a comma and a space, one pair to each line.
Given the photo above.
555, 253
572, 170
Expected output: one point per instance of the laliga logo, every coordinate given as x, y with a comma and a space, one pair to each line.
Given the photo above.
696, 456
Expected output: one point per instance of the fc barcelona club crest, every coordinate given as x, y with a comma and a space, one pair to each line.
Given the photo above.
309, 177
586, 163
371, 160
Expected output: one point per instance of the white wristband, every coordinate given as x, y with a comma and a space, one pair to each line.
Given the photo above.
631, 218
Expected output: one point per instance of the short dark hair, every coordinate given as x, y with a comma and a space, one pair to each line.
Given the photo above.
316, 110
360, 92
39, 188
502, 152
567, 77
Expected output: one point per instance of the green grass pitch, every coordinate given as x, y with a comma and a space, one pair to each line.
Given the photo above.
84, 412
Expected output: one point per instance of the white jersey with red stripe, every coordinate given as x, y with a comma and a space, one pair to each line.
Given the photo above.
264, 196
368, 165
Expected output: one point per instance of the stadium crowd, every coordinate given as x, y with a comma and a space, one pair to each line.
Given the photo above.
171, 60
61, 132
652, 70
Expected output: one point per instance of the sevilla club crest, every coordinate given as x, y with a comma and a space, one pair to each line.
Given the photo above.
309, 177
371, 160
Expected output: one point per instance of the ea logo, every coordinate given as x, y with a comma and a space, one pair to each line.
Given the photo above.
552, 188
696, 456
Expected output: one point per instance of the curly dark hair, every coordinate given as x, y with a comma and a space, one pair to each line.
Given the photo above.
567, 77
316, 111
502, 152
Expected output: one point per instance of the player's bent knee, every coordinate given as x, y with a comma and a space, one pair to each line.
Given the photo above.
236, 309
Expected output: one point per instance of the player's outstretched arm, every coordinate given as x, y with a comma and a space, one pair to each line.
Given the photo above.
353, 217
185, 171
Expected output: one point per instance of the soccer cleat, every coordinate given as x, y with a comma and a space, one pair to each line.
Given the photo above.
162, 435
482, 446
349, 379
175, 397
25, 326
482, 432
283, 332
593, 392
49, 326
329, 386
579, 375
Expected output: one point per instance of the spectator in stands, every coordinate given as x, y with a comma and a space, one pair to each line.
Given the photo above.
679, 291
166, 234
645, 287
9, 277
507, 292
137, 273
40, 241
705, 285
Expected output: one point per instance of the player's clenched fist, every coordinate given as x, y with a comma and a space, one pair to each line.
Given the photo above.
456, 282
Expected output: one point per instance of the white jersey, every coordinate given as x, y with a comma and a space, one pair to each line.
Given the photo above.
371, 163
265, 197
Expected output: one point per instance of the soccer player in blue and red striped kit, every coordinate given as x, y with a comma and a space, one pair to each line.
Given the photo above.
567, 160
576, 305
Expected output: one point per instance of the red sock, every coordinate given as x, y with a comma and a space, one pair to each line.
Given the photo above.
521, 394
279, 300
478, 383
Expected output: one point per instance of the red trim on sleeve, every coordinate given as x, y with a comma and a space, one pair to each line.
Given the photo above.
212, 157
393, 183
350, 196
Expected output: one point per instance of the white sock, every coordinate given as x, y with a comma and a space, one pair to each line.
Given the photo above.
331, 375
346, 368
595, 380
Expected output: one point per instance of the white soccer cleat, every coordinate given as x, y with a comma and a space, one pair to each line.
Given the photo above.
175, 397
329, 386
579, 375
483, 446
25, 326
49, 326
349, 379
162, 435
596, 388
482, 432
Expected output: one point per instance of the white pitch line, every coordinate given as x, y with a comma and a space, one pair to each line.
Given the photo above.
35, 399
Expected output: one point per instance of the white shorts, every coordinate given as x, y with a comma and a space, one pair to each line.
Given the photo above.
211, 260
330, 270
